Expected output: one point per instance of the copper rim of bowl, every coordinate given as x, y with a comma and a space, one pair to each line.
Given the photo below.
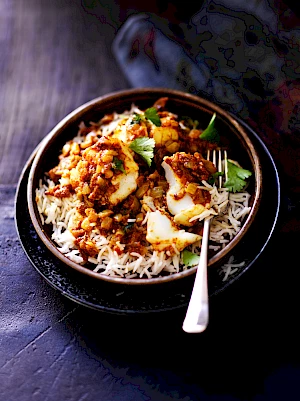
119, 96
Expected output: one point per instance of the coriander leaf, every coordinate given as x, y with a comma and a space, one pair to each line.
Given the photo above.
189, 122
152, 115
136, 119
128, 227
236, 177
190, 258
213, 177
144, 147
117, 164
210, 133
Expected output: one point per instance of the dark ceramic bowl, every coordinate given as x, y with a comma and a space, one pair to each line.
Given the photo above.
180, 103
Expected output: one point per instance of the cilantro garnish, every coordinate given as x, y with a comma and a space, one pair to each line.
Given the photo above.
136, 119
195, 124
210, 133
190, 258
144, 147
117, 164
128, 227
192, 124
236, 177
152, 115
214, 176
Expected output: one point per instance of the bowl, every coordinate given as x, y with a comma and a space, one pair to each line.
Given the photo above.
180, 103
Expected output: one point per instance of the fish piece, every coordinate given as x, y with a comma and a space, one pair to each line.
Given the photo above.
164, 234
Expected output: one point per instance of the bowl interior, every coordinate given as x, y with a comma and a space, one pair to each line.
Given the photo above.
179, 103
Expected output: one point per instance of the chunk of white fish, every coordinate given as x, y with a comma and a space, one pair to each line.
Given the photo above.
163, 234
183, 209
125, 182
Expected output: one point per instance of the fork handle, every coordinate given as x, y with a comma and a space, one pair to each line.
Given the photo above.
196, 319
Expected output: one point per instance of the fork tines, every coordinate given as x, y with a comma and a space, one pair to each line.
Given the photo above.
220, 162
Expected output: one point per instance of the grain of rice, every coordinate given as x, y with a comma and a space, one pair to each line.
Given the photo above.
214, 247
145, 219
230, 268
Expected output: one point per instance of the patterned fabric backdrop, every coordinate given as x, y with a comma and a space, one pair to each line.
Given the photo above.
243, 56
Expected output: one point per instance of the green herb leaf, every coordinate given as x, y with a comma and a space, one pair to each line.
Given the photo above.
210, 133
188, 122
117, 164
195, 124
152, 115
192, 124
236, 177
144, 147
214, 176
190, 258
136, 119
128, 227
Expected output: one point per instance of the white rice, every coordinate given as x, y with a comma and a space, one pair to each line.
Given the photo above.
230, 267
228, 210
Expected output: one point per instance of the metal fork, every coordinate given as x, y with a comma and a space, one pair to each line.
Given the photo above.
197, 316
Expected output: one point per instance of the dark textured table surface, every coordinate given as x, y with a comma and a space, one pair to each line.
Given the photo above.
56, 55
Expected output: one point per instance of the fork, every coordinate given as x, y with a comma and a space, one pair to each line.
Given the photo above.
197, 315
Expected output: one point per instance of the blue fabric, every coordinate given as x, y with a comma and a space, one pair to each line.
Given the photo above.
235, 53
244, 56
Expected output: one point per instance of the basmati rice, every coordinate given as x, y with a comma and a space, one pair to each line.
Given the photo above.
228, 210
59, 212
